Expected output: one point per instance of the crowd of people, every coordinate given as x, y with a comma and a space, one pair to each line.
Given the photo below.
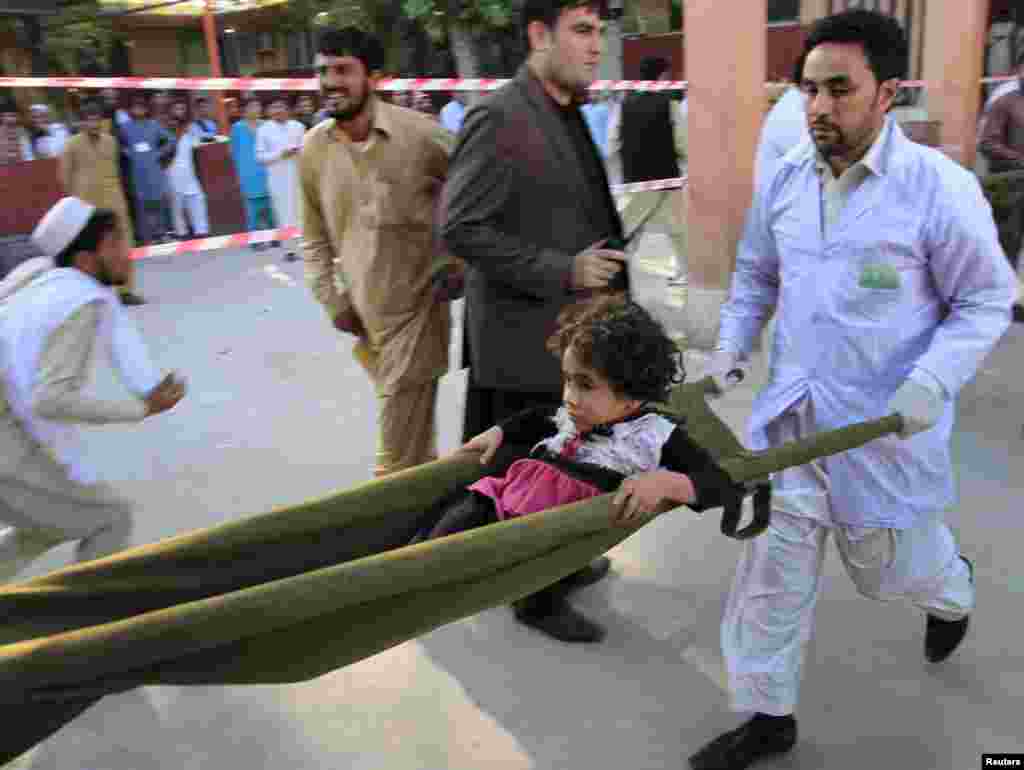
878, 309
162, 183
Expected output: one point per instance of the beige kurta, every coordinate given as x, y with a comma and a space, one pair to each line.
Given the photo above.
90, 170
367, 214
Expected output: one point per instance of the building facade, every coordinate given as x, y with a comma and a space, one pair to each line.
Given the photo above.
788, 20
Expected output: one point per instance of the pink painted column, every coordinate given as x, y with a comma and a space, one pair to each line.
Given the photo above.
954, 40
726, 106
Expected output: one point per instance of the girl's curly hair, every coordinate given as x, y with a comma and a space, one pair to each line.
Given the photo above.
623, 343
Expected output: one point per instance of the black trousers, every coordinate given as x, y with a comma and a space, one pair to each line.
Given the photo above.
467, 510
463, 511
486, 407
1011, 234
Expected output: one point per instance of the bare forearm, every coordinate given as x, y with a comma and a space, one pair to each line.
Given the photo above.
68, 404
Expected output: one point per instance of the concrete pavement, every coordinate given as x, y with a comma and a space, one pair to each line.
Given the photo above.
278, 411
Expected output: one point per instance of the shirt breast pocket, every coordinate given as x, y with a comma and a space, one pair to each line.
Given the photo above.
874, 290
884, 271
407, 199
867, 304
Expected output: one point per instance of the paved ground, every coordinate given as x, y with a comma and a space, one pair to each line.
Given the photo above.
278, 411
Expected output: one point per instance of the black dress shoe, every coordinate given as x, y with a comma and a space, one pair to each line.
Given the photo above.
560, 621
942, 637
754, 740
130, 298
589, 575
1018, 313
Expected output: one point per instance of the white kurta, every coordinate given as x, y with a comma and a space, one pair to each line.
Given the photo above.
910, 277
182, 171
52, 145
187, 193
272, 141
43, 500
784, 128
891, 272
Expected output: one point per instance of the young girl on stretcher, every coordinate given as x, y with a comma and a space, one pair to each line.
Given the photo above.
617, 362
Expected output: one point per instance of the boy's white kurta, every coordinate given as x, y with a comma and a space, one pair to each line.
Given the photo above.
845, 343
893, 271
274, 138
50, 320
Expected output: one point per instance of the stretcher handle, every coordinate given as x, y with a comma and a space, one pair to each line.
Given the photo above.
733, 509
753, 466
709, 387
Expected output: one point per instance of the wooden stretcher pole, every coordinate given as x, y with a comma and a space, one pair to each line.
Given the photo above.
213, 53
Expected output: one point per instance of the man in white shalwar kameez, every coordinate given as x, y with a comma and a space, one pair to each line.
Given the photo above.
53, 312
277, 146
880, 260
186, 193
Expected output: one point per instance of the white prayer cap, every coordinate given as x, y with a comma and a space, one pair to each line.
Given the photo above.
61, 225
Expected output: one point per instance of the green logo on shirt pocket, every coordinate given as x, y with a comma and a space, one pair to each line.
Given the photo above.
878, 275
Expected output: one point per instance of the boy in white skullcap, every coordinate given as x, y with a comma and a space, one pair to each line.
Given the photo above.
53, 311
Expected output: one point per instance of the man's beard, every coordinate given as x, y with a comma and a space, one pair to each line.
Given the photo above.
830, 147
105, 277
353, 111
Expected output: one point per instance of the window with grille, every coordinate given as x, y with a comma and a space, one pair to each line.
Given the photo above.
780, 11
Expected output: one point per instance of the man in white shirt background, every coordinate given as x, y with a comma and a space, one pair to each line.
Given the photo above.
647, 141
48, 136
784, 127
278, 143
186, 192
203, 128
453, 113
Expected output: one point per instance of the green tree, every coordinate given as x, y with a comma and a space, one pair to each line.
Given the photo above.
381, 17
75, 41
468, 27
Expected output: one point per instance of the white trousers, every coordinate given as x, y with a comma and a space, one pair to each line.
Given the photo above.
43, 508
769, 615
197, 214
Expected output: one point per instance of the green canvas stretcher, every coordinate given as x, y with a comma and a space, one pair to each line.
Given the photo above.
295, 593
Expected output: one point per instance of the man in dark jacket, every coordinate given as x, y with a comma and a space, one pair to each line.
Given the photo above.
528, 208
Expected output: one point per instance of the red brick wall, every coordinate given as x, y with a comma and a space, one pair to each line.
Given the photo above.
784, 44
35, 187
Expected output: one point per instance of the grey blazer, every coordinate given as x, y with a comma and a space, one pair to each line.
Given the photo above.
517, 207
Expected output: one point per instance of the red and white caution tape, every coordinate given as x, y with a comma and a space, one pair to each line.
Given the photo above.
656, 184
233, 241
238, 240
307, 84
311, 84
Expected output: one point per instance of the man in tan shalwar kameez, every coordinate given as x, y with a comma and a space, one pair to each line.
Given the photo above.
369, 179
90, 170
